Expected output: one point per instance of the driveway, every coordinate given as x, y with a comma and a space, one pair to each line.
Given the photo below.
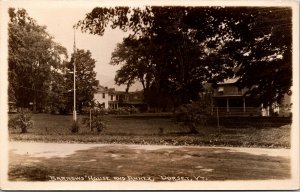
115, 162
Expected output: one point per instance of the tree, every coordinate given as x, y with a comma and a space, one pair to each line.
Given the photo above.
86, 82
268, 68
136, 63
194, 45
32, 56
258, 42
58, 96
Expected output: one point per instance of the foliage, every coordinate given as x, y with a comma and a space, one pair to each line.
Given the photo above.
75, 127
58, 96
97, 120
21, 121
266, 65
86, 82
158, 100
111, 111
195, 113
188, 46
136, 64
123, 111
33, 55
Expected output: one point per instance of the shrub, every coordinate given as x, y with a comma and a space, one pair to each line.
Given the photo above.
193, 114
123, 111
97, 120
75, 127
21, 121
112, 111
133, 110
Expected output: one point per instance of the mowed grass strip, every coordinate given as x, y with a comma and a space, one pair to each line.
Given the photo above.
152, 130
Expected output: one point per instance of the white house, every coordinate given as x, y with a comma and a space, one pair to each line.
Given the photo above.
110, 98
106, 97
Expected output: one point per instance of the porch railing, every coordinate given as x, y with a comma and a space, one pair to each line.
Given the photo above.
236, 111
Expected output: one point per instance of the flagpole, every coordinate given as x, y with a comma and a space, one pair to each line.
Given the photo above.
74, 107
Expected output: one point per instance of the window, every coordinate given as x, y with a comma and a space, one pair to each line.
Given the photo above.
103, 95
112, 97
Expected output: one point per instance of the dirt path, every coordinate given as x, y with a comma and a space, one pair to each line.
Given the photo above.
53, 161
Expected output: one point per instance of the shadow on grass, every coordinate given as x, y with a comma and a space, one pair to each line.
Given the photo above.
146, 161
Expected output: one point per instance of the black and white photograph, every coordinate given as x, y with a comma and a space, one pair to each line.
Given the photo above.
139, 95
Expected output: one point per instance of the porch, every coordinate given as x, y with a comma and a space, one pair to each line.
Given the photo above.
235, 106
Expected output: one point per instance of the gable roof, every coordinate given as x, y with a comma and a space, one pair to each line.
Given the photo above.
101, 89
228, 81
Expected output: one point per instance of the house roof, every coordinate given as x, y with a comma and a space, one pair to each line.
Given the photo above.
228, 81
102, 89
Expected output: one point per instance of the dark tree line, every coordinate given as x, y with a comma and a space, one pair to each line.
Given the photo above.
173, 51
32, 54
38, 69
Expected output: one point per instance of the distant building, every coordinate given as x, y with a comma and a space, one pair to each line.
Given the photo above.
12, 108
110, 98
229, 99
285, 106
102, 96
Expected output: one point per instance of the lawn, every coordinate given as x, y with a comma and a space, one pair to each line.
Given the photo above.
143, 129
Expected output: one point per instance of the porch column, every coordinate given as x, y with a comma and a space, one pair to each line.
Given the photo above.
227, 101
244, 104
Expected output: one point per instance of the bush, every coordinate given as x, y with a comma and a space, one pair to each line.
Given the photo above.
21, 121
75, 127
112, 111
97, 120
123, 111
133, 110
194, 114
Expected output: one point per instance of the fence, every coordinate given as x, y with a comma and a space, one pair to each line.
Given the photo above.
245, 117
236, 111
248, 121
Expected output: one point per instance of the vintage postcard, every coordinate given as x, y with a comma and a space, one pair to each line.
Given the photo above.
165, 95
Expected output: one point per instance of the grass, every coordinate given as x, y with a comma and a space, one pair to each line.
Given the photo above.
150, 130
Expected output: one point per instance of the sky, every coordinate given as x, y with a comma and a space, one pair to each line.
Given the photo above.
59, 22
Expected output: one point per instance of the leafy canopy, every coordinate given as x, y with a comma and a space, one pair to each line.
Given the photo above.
86, 82
33, 56
189, 46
